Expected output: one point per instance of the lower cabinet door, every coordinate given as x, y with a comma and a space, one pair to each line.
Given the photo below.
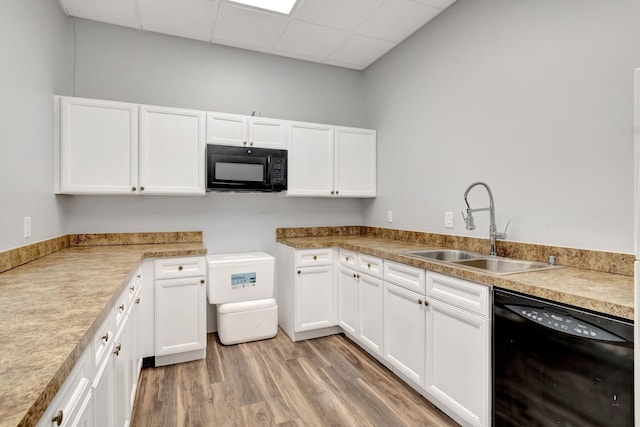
122, 377
458, 361
348, 300
315, 298
104, 395
180, 312
404, 332
370, 313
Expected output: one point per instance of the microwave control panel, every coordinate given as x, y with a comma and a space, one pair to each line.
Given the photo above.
278, 171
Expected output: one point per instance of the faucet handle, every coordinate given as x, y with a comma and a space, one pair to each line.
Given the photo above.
503, 235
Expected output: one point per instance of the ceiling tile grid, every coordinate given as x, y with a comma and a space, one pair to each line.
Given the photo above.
344, 33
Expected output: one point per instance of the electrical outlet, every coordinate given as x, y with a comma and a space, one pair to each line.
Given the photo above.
389, 217
27, 227
448, 219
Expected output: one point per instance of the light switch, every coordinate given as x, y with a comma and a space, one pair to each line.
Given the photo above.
27, 227
389, 216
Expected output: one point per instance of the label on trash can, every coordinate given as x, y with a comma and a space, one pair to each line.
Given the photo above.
243, 280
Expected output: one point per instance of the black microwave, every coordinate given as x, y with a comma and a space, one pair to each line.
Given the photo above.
246, 169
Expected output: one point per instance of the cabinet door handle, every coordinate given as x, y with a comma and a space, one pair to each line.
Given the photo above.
58, 418
244, 142
299, 272
426, 303
354, 275
346, 258
368, 265
121, 308
202, 281
105, 337
141, 188
337, 192
180, 268
137, 301
132, 289
138, 276
133, 188
420, 301
117, 349
315, 257
251, 143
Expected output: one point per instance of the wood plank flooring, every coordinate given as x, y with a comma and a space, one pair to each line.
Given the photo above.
323, 382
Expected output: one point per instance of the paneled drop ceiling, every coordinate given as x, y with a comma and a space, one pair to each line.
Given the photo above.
344, 33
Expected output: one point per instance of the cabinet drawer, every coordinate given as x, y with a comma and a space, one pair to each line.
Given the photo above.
313, 257
348, 258
102, 340
67, 403
469, 296
370, 264
409, 277
172, 268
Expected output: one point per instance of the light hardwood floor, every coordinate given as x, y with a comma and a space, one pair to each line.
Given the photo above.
323, 382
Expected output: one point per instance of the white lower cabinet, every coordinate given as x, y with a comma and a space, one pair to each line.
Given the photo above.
458, 372
180, 310
405, 332
306, 292
360, 303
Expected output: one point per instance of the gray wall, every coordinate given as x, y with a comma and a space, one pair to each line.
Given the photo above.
129, 65
35, 47
533, 97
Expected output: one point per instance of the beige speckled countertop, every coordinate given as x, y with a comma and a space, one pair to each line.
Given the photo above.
594, 290
51, 307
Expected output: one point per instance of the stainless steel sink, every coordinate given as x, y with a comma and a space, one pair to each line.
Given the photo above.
446, 255
478, 261
505, 265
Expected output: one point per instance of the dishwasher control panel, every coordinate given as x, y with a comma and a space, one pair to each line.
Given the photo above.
563, 323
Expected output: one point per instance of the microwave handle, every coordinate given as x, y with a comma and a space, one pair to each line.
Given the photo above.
267, 173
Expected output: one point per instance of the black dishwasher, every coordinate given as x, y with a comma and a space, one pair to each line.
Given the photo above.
555, 365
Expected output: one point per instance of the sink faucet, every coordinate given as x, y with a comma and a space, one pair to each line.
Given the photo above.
494, 234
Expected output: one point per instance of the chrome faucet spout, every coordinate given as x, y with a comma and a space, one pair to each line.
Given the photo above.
493, 231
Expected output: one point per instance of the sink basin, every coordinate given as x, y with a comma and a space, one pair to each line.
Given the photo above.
505, 265
475, 260
446, 255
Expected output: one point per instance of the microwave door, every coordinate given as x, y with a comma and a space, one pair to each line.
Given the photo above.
240, 172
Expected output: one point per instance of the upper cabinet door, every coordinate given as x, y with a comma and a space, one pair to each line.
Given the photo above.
267, 133
310, 158
227, 129
98, 147
355, 157
172, 146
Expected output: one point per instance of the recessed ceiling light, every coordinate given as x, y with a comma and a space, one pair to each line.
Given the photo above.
280, 6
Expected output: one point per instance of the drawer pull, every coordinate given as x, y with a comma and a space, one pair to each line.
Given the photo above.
137, 301
315, 257
426, 303
354, 275
58, 418
132, 189
117, 349
368, 265
105, 337
299, 272
180, 268
138, 276
121, 308
420, 301
202, 281
132, 289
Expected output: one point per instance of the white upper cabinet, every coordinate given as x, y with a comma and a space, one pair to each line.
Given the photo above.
327, 161
238, 130
355, 162
310, 158
108, 147
172, 145
98, 147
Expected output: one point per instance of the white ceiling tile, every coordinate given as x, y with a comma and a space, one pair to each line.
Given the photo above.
185, 18
360, 50
310, 39
395, 20
341, 14
440, 4
119, 12
248, 26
